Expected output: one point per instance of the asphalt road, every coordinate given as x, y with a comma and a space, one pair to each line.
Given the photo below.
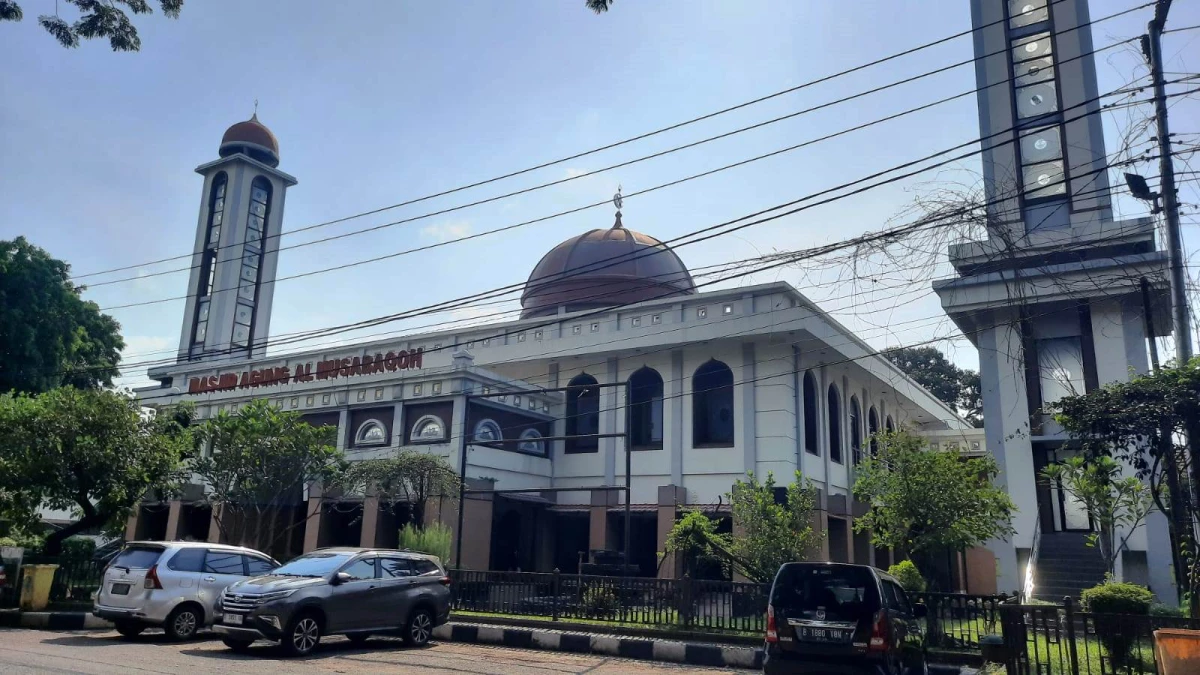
30, 651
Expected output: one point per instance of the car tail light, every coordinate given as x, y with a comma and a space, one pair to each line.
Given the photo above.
879, 633
445, 581
772, 634
152, 578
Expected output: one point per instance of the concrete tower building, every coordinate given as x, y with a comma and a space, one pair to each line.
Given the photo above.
1052, 297
228, 310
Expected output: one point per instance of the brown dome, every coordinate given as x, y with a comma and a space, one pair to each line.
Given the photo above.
252, 138
601, 268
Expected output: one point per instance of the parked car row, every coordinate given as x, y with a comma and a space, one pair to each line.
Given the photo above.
246, 595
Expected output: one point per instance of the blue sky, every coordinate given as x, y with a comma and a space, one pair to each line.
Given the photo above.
378, 102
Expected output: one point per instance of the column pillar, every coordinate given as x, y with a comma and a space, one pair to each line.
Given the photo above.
370, 522
819, 521
477, 523
214, 525
669, 499
314, 511
174, 508
131, 525
598, 533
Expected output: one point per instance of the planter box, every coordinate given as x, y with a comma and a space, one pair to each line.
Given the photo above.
1177, 651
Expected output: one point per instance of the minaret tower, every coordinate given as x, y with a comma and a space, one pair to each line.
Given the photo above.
228, 311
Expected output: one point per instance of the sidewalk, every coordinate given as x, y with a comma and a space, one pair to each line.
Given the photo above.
696, 653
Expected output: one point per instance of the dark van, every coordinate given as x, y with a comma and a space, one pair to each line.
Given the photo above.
834, 618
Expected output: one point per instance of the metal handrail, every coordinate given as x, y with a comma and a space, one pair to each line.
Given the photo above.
1028, 586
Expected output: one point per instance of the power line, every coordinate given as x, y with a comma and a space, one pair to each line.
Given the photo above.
183, 297
610, 146
610, 167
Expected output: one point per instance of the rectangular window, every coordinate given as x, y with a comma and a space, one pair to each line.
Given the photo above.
1023, 13
1060, 368
223, 562
1033, 47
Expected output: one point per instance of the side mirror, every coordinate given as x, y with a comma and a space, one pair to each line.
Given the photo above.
340, 578
920, 610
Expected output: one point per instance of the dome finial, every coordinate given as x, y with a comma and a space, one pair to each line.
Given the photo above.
254, 115
617, 202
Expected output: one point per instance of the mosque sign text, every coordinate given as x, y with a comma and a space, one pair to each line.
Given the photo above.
309, 372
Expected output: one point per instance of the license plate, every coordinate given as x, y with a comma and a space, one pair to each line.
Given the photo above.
120, 589
233, 619
823, 634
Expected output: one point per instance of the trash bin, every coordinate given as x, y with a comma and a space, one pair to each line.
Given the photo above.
36, 581
992, 647
1178, 651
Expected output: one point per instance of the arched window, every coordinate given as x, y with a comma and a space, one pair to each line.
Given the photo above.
856, 440
428, 429
646, 410
873, 429
810, 414
530, 442
891, 428
487, 431
583, 413
370, 432
208, 260
712, 405
247, 294
835, 425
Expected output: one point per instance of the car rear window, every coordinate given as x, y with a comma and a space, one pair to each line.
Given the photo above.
840, 593
137, 557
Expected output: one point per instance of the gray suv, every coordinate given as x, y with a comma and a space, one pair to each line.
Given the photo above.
351, 591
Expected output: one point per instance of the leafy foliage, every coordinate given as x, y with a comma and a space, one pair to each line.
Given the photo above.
924, 501
410, 477
257, 463
908, 575
956, 387
768, 533
433, 540
599, 6
1113, 597
1118, 504
48, 334
1144, 423
695, 542
94, 452
97, 19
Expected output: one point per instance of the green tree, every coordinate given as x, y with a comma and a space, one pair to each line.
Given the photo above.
410, 477
256, 464
954, 386
599, 6
1118, 504
925, 502
94, 452
694, 541
770, 529
49, 336
97, 19
1145, 423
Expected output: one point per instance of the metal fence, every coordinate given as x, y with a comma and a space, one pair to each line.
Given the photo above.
1056, 639
684, 604
75, 581
957, 621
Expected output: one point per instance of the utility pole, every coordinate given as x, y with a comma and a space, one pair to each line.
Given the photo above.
1152, 49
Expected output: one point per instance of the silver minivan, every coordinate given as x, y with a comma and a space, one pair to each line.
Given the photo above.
172, 584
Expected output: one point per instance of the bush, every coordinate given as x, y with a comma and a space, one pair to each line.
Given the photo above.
1115, 598
1159, 609
600, 601
32, 543
434, 540
908, 575
78, 548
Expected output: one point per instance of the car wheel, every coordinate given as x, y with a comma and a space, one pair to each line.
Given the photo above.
183, 623
129, 629
419, 628
358, 638
302, 636
238, 646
